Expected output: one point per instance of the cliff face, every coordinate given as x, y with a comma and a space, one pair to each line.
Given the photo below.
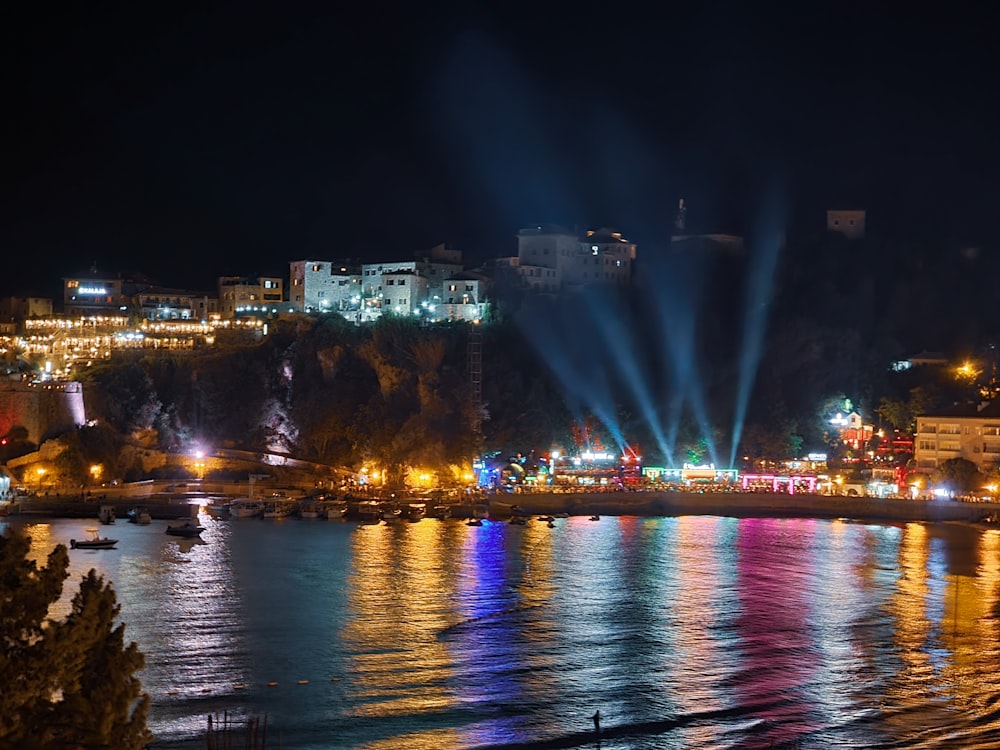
43, 409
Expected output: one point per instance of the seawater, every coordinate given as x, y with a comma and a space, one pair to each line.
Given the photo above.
691, 632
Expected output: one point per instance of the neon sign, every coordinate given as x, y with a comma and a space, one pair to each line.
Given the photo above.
93, 290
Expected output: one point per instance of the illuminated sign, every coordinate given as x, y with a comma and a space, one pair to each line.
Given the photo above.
93, 290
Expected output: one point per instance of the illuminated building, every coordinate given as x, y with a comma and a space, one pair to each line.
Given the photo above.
551, 258
970, 432
160, 303
241, 296
92, 293
403, 287
18, 309
324, 286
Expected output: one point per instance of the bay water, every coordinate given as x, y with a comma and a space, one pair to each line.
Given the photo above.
690, 632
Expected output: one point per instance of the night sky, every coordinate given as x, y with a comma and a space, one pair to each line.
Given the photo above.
235, 137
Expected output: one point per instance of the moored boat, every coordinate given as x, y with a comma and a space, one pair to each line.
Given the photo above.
416, 511
278, 507
335, 509
244, 507
94, 541
106, 514
218, 510
185, 527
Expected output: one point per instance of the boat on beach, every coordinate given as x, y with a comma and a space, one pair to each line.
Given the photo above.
93, 541
185, 527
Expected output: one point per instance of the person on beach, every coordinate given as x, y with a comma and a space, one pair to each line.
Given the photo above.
597, 720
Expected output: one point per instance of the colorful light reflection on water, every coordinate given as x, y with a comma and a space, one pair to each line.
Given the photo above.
684, 632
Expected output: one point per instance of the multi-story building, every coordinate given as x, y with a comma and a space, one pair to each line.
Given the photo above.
405, 286
161, 303
18, 309
972, 433
463, 298
324, 286
94, 294
240, 296
551, 258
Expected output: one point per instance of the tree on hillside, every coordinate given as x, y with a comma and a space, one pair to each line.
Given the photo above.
65, 684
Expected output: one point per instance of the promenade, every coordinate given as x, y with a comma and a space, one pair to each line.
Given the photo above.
653, 503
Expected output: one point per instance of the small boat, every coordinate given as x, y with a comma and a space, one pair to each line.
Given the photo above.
106, 514
390, 513
244, 507
311, 509
95, 541
185, 527
595, 518
474, 522
547, 519
564, 514
517, 521
442, 511
218, 510
277, 507
416, 511
334, 510
368, 511
140, 516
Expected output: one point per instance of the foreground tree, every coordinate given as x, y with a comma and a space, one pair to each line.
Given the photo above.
65, 684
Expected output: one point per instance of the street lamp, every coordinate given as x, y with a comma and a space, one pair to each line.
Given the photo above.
95, 472
41, 473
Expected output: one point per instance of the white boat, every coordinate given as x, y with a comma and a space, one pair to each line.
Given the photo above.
416, 511
218, 510
390, 512
140, 516
94, 541
244, 507
334, 510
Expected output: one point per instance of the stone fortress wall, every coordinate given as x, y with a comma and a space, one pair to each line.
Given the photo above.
43, 409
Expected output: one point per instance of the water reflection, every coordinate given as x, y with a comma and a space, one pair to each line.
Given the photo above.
685, 632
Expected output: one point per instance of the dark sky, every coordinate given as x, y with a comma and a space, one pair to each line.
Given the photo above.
235, 137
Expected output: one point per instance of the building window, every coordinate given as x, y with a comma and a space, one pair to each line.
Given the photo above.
925, 445
402, 282
390, 282
317, 267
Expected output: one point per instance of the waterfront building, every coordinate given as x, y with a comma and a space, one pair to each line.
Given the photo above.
971, 432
